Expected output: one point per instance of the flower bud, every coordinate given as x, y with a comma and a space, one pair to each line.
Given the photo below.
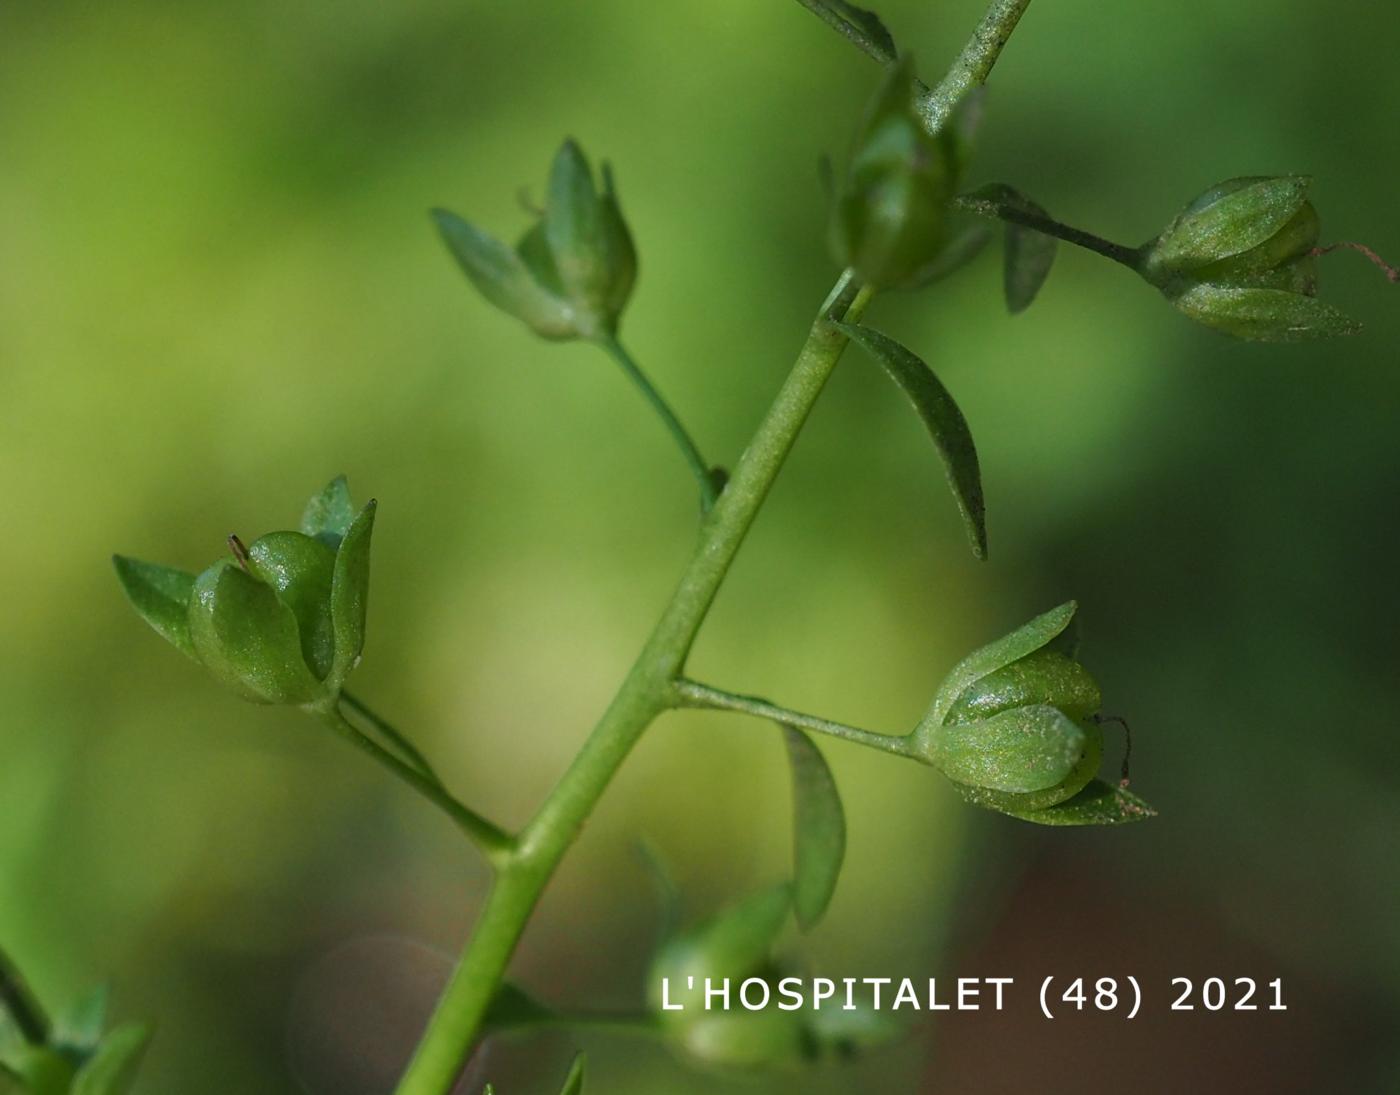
889, 217
1012, 723
281, 622
1239, 258
572, 273
730, 948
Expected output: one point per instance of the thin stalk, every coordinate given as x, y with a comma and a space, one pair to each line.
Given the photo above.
493, 841
387, 731
645, 694
1004, 211
689, 449
974, 63
695, 694
22, 1005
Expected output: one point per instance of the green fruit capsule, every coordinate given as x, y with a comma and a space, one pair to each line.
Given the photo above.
299, 569
282, 622
1014, 722
1239, 259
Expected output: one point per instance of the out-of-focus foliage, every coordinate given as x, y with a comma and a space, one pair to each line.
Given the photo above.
219, 286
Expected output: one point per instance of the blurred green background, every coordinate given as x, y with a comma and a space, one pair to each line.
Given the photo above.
219, 287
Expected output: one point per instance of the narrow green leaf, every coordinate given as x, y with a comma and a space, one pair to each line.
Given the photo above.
248, 638
328, 514
161, 597
1229, 219
513, 1008
1020, 750
1024, 640
501, 276
818, 828
350, 595
573, 1085
866, 21
1029, 254
1264, 315
78, 1029
113, 1067
1029, 257
944, 421
1099, 803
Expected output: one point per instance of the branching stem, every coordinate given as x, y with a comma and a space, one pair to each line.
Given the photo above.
689, 449
525, 866
695, 694
647, 692
1004, 211
387, 731
493, 841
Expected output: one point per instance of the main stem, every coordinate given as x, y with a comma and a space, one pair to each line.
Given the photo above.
650, 685
646, 693
974, 63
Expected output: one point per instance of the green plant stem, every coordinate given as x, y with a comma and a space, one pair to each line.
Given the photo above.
645, 694
1003, 211
493, 841
22, 1005
689, 449
974, 63
969, 71
650, 685
695, 694
387, 731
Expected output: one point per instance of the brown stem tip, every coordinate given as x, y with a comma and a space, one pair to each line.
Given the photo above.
1391, 273
240, 553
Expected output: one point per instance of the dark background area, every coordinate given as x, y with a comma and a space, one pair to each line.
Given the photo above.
219, 287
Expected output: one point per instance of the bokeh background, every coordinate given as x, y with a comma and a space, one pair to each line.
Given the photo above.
219, 287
